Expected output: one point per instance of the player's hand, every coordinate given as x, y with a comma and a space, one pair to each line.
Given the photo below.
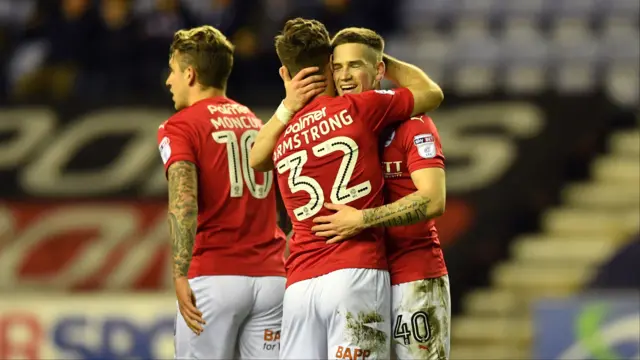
187, 305
302, 88
345, 223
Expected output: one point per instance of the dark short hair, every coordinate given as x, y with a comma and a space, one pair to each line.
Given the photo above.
303, 43
362, 36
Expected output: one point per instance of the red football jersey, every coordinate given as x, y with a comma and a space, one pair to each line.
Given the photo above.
237, 232
414, 251
328, 153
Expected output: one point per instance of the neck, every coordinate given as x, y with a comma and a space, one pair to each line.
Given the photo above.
329, 91
205, 94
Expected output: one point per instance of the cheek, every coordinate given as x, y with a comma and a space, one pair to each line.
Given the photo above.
336, 77
364, 78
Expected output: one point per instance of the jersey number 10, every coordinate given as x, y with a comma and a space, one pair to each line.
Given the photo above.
340, 193
238, 157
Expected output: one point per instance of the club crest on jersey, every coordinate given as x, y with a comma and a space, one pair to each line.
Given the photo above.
165, 149
426, 145
390, 139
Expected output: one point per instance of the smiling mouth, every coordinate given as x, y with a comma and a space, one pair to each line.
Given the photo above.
348, 88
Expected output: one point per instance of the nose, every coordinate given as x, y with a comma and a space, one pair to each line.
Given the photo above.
345, 74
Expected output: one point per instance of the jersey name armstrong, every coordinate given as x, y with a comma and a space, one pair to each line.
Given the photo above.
311, 127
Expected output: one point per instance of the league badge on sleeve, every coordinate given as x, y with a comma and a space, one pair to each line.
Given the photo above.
165, 149
426, 145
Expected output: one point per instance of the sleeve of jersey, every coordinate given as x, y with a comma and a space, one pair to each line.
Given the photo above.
384, 107
176, 143
422, 144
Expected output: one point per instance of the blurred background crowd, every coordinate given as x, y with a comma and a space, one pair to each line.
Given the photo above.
89, 48
540, 128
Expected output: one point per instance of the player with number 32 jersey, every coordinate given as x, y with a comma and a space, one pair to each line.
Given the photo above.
337, 301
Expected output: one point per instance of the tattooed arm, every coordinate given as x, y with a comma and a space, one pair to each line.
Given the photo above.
183, 214
426, 203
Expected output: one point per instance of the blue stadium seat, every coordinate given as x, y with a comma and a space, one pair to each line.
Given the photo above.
619, 7
524, 56
621, 83
476, 7
416, 14
562, 8
532, 8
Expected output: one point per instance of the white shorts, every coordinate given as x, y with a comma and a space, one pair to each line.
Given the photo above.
341, 315
421, 312
243, 316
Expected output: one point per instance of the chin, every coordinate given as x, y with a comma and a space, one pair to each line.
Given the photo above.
178, 106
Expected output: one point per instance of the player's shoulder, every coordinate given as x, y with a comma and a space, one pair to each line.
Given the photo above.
367, 95
416, 124
228, 107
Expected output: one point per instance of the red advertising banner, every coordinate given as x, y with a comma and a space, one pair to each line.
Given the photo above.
84, 245
107, 245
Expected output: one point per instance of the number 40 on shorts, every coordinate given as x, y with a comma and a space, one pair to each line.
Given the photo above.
417, 327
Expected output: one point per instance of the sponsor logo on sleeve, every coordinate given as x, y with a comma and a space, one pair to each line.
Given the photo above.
426, 145
165, 149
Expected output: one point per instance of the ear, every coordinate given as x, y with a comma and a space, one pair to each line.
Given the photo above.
190, 75
380, 70
284, 73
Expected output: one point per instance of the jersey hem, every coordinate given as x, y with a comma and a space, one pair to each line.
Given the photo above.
398, 279
306, 275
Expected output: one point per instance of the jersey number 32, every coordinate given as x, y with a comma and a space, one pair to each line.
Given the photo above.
340, 193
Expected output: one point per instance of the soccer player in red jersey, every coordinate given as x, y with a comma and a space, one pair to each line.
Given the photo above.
413, 166
337, 302
227, 249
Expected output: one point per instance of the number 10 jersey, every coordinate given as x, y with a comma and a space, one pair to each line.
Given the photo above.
328, 153
237, 232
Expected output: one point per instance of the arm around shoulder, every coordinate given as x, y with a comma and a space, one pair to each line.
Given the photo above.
260, 156
427, 95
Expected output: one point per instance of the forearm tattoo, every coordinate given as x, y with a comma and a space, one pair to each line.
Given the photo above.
183, 214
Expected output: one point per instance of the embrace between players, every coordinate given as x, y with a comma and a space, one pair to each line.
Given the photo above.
361, 174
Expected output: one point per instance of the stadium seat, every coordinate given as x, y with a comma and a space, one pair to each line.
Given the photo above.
533, 8
492, 301
475, 57
538, 276
494, 352
616, 170
621, 82
417, 14
523, 55
626, 143
565, 251
602, 195
582, 8
619, 7
583, 221
482, 329
483, 8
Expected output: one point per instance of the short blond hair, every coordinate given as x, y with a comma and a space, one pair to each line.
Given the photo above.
208, 51
355, 35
